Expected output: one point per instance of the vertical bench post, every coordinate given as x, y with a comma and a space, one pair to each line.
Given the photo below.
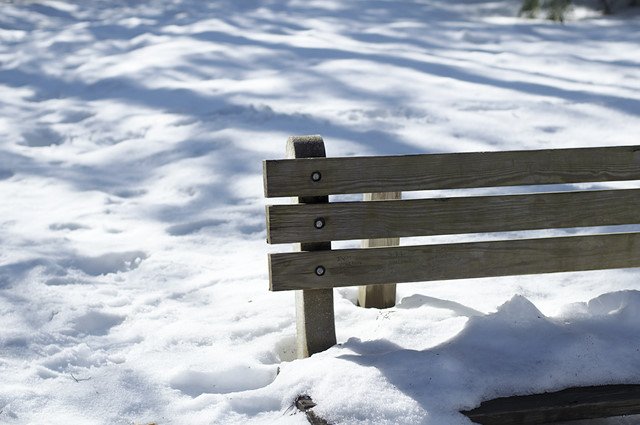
315, 325
379, 296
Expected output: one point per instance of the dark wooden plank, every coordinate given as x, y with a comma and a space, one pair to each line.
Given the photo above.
567, 405
352, 267
444, 216
449, 171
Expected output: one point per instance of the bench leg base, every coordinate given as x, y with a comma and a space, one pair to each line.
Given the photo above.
315, 325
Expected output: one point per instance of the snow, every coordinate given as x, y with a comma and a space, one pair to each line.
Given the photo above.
133, 275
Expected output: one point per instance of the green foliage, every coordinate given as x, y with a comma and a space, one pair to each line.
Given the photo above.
555, 9
530, 8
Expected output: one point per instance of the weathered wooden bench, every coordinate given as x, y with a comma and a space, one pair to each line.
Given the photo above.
312, 222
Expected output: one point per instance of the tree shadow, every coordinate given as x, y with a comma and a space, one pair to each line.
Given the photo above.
270, 32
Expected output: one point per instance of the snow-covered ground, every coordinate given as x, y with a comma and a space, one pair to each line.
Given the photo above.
133, 275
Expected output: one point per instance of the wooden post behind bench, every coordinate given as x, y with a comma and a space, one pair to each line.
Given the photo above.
315, 325
379, 296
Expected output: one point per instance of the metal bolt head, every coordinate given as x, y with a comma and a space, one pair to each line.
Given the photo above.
319, 223
316, 176
320, 270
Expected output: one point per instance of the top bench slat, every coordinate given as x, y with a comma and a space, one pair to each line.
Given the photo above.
292, 177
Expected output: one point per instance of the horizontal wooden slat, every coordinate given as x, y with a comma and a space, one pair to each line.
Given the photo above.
350, 267
570, 404
444, 216
293, 177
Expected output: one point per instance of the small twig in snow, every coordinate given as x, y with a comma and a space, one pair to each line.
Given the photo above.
304, 404
79, 379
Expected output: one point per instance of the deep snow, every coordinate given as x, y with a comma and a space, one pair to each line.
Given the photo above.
133, 276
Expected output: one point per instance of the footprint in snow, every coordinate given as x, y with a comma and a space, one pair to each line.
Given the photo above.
67, 226
193, 227
109, 263
97, 323
234, 379
41, 136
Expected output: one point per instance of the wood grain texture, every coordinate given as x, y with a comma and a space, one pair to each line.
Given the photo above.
379, 296
315, 324
445, 216
450, 171
567, 405
373, 266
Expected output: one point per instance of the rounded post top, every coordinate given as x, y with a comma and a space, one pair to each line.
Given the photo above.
305, 147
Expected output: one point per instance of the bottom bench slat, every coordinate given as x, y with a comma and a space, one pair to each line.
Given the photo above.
352, 267
578, 403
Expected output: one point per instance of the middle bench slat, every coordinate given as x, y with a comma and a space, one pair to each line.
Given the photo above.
445, 216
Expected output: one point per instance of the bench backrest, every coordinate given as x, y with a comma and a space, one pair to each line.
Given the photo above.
313, 179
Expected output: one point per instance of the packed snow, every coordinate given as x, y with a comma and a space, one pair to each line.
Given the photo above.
133, 272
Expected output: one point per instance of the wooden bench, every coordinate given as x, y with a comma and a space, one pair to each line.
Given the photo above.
312, 222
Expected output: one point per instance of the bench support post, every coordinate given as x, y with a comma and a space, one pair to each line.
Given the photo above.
315, 324
379, 296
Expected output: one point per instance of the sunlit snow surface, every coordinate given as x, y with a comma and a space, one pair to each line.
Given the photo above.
133, 274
